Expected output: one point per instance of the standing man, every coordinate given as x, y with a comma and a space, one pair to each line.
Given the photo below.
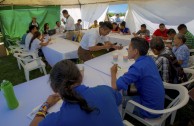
90, 39
34, 22
117, 19
69, 24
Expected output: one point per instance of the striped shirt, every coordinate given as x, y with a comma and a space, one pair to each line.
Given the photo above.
190, 40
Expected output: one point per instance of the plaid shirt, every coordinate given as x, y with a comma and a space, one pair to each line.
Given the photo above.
190, 40
163, 65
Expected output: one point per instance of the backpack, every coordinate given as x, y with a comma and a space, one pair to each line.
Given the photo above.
176, 72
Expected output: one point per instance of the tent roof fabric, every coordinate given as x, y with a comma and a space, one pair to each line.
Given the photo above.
55, 2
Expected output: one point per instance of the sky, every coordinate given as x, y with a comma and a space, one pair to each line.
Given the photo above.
120, 8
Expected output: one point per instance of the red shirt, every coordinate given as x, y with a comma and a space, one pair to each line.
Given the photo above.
161, 33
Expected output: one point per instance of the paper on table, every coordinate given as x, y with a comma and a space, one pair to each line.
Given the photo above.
54, 108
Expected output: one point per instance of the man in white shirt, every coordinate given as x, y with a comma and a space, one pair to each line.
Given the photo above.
92, 37
69, 24
32, 30
59, 28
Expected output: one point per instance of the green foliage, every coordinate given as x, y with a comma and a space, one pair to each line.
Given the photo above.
112, 14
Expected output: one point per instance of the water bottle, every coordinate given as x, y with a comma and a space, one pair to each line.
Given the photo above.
8, 92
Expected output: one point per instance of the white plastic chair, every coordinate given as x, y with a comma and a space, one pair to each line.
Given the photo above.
191, 62
191, 50
30, 64
126, 123
191, 79
180, 101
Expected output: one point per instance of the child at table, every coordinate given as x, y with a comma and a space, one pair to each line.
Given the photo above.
82, 106
36, 43
145, 76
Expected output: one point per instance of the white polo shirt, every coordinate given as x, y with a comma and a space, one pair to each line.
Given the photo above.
69, 25
59, 29
91, 38
28, 39
35, 45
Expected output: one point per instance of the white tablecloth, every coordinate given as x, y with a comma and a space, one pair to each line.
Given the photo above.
105, 62
117, 38
120, 39
60, 49
32, 93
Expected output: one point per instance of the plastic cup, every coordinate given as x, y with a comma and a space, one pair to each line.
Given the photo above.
115, 57
125, 58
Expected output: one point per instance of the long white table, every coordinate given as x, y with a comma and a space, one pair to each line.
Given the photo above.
32, 93
103, 63
60, 49
117, 38
120, 39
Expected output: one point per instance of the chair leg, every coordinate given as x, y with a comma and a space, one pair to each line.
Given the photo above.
173, 117
27, 75
19, 64
44, 70
41, 70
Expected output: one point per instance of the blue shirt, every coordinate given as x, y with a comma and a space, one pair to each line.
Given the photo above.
104, 98
144, 74
125, 30
23, 39
182, 53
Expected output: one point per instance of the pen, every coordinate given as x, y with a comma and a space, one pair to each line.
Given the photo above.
117, 65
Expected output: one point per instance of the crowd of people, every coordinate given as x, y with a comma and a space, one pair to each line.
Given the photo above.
89, 106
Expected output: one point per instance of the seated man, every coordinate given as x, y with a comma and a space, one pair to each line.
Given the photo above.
144, 74
91, 38
181, 50
59, 28
158, 48
162, 32
170, 33
182, 28
143, 31
78, 25
124, 29
95, 25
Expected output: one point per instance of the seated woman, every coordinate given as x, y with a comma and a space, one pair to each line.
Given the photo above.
181, 50
82, 106
123, 28
36, 43
116, 28
46, 28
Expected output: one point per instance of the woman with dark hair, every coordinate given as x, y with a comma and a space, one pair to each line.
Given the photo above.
82, 106
36, 43
181, 50
124, 29
46, 28
116, 28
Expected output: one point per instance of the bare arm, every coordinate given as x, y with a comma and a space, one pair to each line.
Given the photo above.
113, 76
52, 99
96, 48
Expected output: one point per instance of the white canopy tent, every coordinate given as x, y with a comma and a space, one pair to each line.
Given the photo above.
151, 12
